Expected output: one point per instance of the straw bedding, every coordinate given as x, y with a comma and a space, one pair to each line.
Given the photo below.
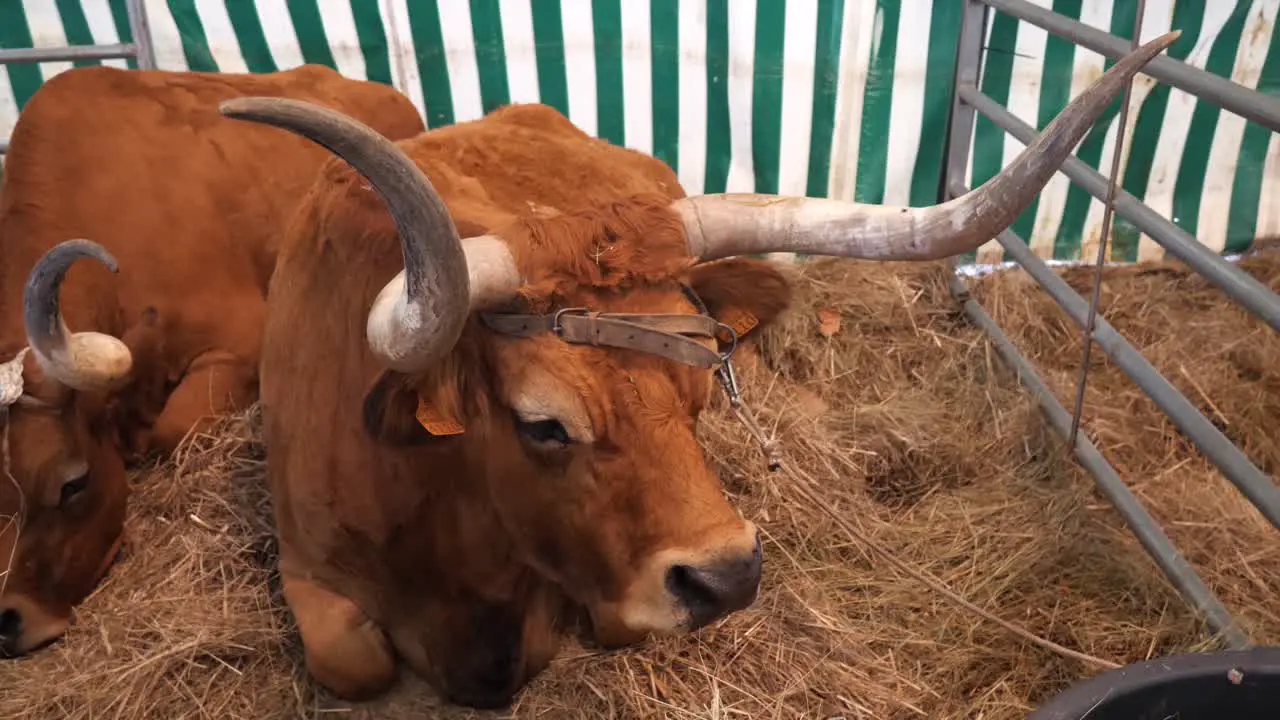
916, 468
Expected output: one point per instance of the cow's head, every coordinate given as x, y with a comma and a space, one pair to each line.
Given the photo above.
63, 487
585, 429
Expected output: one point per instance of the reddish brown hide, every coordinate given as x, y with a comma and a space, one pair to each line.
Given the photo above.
444, 492
190, 205
577, 475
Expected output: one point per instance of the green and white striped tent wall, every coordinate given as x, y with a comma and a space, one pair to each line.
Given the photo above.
838, 98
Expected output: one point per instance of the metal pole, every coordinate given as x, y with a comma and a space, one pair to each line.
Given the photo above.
15, 56
968, 61
141, 30
1252, 106
1254, 484
1140, 522
1108, 211
1239, 285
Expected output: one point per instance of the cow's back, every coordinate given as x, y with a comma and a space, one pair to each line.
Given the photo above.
189, 202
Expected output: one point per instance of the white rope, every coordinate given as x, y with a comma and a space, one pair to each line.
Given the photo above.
11, 388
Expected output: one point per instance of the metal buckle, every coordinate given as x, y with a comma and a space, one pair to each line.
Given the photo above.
556, 327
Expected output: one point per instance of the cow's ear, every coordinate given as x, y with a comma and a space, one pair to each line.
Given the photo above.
398, 413
743, 293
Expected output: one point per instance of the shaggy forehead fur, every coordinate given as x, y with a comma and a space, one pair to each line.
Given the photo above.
578, 213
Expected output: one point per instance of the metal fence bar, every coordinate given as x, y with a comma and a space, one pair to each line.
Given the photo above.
960, 124
140, 49
1251, 294
140, 28
1144, 527
1222, 92
1242, 288
67, 54
1234, 464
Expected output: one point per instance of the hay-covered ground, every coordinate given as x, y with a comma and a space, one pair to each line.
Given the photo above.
916, 466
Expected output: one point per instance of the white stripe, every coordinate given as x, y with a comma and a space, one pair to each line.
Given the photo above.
1087, 66
404, 64
692, 150
460, 59
580, 62
742, 37
1268, 211
166, 43
8, 108
46, 32
1173, 133
637, 75
521, 50
282, 39
906, 112
1224, 154
1155, 22
800, 45
97, 13
339, 24
223, 44
855, 60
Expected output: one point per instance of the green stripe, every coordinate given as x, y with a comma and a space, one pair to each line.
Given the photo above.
373, 41
1071, 231
606, 21
24, 78
826, 79
718, 129
1189, 187
428, 42
664, 26
249, 35
997, 74
944, 34
120, 18
1189, 18
76, 27
195, 44
548, 43
1055, 93
877, 106
309, 29
766, 93
1246, 194
491, 54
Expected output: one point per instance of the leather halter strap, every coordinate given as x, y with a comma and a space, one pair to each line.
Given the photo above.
669, 336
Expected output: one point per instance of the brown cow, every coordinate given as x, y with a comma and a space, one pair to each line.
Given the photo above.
190, 204
463, 443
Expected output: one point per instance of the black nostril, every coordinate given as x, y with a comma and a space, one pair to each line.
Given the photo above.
10, 631
715, 590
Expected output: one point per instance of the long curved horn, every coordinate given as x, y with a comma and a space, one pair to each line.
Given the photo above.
85, 361
724, 225
419, 314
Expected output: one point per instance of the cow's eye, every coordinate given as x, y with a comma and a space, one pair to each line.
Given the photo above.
543, 432
72, 488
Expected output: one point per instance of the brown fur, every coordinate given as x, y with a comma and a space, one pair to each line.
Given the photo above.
191, 205
460, 552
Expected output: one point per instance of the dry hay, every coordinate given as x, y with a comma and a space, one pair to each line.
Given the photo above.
907, 441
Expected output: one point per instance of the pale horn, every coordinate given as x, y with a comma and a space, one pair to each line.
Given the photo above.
84, 361
725, 225
420, 313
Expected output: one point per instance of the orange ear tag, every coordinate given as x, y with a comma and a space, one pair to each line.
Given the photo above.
741, 321
434, 422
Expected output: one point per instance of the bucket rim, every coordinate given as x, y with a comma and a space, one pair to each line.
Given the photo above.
1093, 691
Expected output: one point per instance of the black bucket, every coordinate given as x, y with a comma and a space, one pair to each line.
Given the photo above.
1240, 685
